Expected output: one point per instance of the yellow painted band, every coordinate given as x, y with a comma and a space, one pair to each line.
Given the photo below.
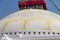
48, 23
7, 22
29, 19
25, 22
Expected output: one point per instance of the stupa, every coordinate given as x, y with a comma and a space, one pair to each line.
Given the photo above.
33, 22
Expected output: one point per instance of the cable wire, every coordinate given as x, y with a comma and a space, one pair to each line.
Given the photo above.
55, 5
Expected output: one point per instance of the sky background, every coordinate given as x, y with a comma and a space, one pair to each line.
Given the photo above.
10, 6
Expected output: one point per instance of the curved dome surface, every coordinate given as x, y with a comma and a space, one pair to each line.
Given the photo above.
30, 20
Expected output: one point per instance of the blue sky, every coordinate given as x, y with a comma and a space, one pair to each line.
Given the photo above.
10, 6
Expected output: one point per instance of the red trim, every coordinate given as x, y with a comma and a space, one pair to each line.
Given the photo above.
30, 3
26, 3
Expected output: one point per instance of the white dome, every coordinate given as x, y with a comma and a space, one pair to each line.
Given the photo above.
30, 20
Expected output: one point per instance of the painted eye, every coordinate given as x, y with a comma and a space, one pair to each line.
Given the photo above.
25, 7
28, 7
33, 6
36, 6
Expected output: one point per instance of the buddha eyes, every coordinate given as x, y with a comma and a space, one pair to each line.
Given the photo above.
33, 7
36, 6
26, 7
